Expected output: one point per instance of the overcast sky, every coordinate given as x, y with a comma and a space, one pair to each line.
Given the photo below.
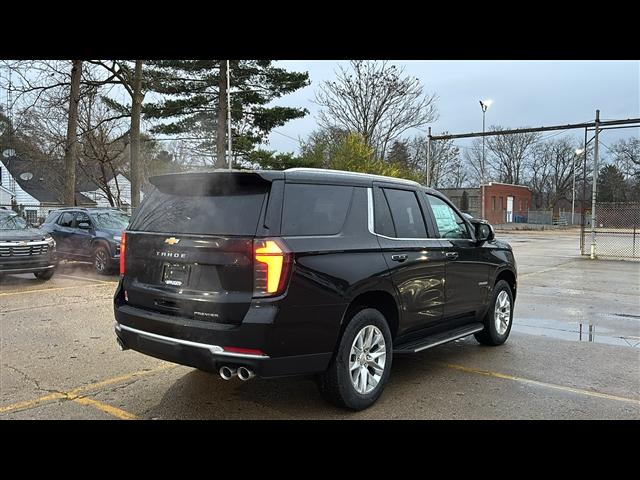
524, 93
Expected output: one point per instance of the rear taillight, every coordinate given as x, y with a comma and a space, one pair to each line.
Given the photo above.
123, 244
271, 265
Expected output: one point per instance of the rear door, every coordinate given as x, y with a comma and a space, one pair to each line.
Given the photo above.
62, 231
80, 238
189, 248
467, 273
415, 261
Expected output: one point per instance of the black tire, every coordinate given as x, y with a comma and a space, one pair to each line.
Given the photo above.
335, 383
490, 334
102, 261
44, 274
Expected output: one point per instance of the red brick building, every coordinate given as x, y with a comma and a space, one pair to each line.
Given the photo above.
503, 202
506, 203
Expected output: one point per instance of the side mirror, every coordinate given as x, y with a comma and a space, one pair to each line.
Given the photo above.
84, 225
484, 230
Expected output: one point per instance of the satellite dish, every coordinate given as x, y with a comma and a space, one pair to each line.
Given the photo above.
26, 176
9, 152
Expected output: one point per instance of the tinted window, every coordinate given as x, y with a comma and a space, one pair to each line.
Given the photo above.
233, 213
66, 219
450, 224
382, 215
111, 220
406, 213
315, 209
52, 217
82, 217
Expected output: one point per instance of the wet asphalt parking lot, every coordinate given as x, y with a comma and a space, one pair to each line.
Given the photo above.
574, 353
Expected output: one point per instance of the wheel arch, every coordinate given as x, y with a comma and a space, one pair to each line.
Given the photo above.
380, 299
508, 276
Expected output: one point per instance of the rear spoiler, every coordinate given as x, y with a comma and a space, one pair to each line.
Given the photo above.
217, 182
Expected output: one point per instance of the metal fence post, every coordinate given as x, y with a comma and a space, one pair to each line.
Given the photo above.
594, 187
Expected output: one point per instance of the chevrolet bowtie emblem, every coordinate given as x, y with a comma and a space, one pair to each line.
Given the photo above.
172, 240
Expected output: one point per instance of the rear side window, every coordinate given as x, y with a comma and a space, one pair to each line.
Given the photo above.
315, 209
82, 217
234, 212
406, 213
66, 219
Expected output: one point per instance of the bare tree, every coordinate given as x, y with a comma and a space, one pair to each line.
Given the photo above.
444, 155
103, 144
626, 156
72, 133
476, 163
510, 153
136, 109
551, 171
375, 100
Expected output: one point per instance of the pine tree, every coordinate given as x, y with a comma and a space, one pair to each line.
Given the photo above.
190, 104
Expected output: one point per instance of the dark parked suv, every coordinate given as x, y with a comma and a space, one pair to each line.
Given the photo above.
89, 235
306, 271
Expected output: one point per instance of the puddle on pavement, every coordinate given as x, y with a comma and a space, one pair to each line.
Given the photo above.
577, 332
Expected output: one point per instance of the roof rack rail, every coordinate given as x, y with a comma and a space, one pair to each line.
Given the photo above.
356, 174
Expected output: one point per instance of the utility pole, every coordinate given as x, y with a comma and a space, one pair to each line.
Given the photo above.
229, 114
594, 187
222, 115
136, 109
428, 179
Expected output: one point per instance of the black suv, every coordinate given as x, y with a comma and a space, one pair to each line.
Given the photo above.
89, 235
25, 249
306, 271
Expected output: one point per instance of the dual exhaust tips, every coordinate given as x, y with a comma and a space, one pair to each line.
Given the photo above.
243, 373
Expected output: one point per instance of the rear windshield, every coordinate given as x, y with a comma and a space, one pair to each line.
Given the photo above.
231, 213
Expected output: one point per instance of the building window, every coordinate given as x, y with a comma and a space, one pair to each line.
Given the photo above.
493, 204
32, 216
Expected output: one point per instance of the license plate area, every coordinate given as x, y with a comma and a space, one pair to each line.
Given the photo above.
175, 274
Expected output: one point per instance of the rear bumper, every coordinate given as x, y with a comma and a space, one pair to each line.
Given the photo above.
210, 357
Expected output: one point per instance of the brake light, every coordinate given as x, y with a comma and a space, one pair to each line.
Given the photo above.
271, 267
123, 244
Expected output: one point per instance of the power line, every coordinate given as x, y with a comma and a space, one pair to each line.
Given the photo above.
569, 126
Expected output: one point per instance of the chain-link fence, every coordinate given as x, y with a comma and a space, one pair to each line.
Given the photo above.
617, 231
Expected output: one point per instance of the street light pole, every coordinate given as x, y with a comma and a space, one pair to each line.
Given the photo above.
483, 105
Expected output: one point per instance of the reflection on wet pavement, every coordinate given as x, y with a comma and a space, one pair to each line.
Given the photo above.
579, 332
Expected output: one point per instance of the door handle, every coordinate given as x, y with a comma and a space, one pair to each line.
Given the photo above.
399, 258
451, 255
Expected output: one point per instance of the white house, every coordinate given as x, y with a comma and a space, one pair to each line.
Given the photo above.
6, 195
33, 187
120, 188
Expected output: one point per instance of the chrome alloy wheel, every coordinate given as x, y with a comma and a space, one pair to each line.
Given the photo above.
367, 359
101, 261
502, 313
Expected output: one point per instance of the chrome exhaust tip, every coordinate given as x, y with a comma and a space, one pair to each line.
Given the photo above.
227, 373
121, 345
245, 374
